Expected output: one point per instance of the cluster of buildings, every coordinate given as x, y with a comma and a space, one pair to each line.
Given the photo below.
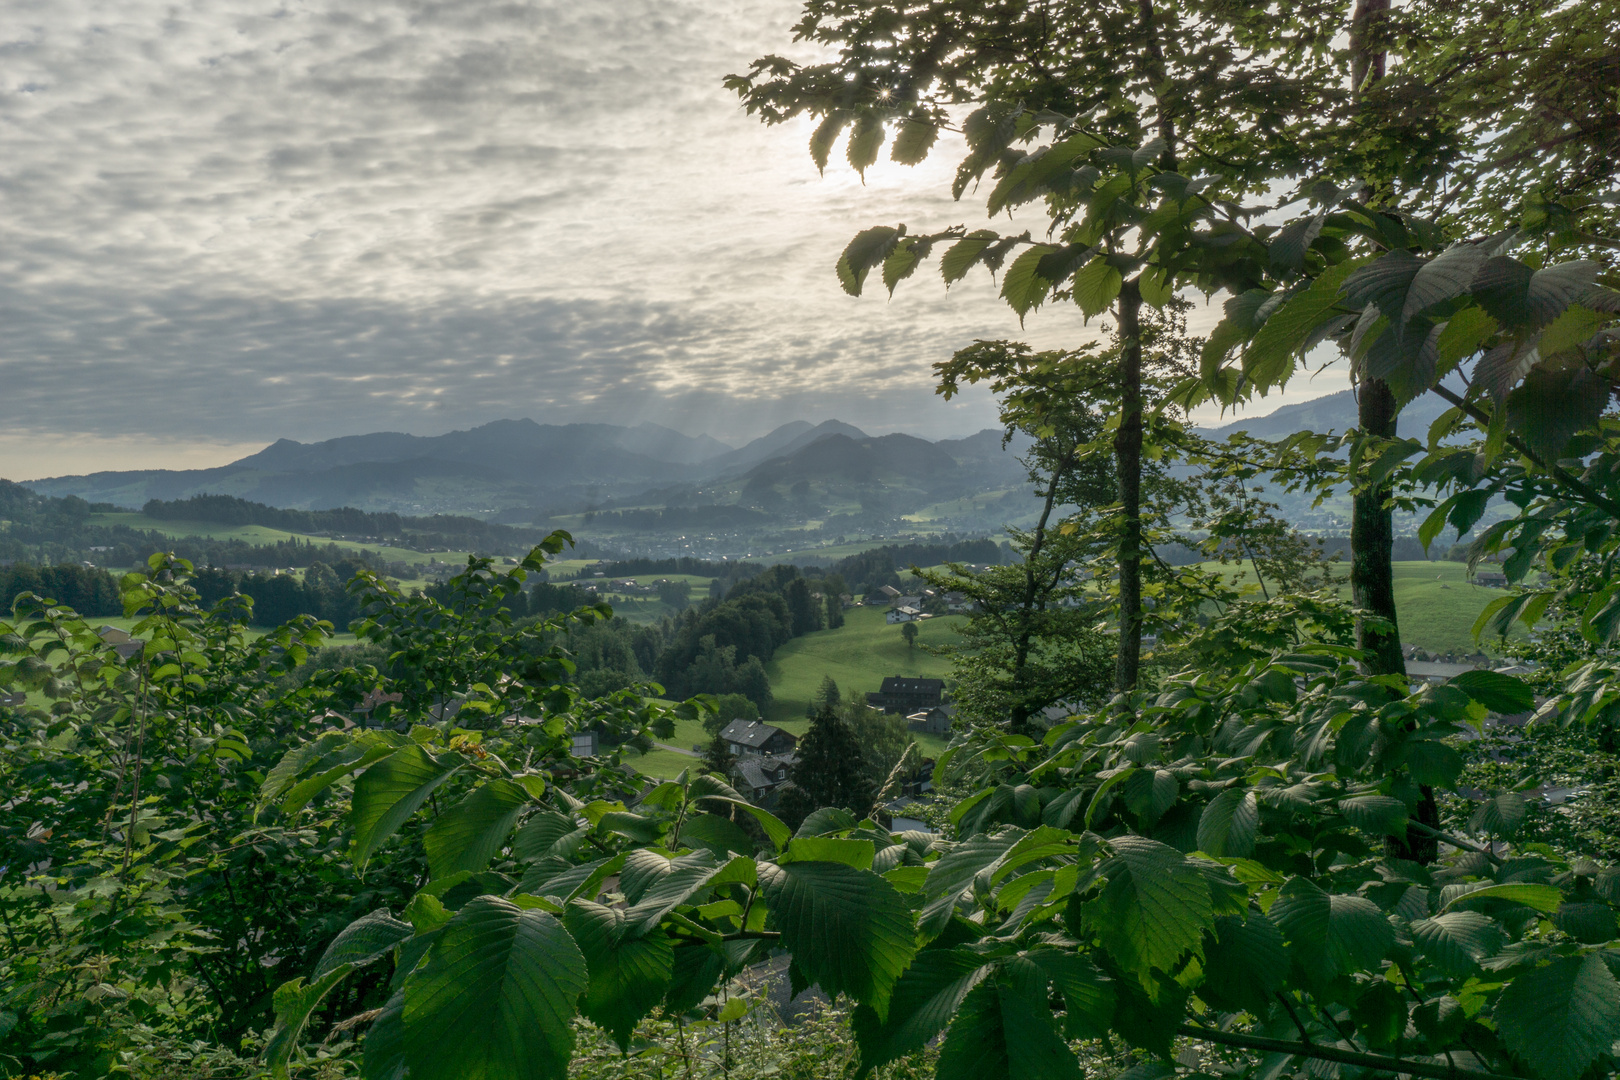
914, 607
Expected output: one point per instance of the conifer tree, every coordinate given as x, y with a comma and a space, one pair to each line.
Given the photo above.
829, 772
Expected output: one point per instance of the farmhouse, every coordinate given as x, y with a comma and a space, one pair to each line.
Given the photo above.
760, 778
905, 695
935, 721
754, 738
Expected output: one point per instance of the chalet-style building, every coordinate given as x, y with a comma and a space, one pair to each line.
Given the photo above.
759, 779
935, 721
905, 695
754, 738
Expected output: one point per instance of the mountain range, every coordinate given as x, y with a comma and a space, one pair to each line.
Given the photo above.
521, 463
513, 467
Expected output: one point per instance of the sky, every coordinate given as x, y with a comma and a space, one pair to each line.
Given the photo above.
228, 222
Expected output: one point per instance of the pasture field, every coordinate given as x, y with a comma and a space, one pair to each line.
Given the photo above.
857, 655
263, 534
1436, 603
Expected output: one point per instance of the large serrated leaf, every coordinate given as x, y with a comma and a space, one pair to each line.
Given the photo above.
1245, 962
964, 254
1268, 359
1155, 908
1096, 286
913, 140
629, 974
470, 833
1457, 941
1497, 692
1024, 287
364, 940
293, 1004
999, 1034
1445, 277
1228, 824
495, 999
869, 248
924, 1000
1333, 933
849, 930
391, 790
1560, 1018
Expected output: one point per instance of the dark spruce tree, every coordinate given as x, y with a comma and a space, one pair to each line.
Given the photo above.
829, 772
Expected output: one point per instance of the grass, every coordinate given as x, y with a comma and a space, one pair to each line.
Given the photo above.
857, 655
1435, 602
262, 535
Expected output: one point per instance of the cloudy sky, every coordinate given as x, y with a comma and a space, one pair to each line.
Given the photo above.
224, 222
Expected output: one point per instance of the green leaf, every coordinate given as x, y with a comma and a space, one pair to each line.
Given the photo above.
1000, 1034
495, 999
1558, 1019
390, 791
1457, 941
1445, 277
293, 1003
629, 975
849, 930
1155, 908
1380, 1013
1023, 287
1245, 962
913, 141
925, 999
1569, 330
364, 940
1088, 994
1463, 335
1544, 898
856, 853
1588, 921
869, 248
864, 143
469, 834
778, 833
1333, 933
901, 262
1096, 286
1499, 816
1497, 692
964, 253
1228, 824
823, 138
1380, 815
1269, 358
1156, 285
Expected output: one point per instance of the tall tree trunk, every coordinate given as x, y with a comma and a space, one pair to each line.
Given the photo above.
1372, 529
1128, 465
1372, 545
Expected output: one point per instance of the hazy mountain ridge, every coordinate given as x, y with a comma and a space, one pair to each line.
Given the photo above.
506, 465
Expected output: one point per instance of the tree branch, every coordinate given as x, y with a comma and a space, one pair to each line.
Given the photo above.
1334, 1053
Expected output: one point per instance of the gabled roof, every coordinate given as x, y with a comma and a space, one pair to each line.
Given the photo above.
760, 772
901, 684
750, 733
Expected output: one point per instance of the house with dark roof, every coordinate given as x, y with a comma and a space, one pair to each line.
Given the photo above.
759, 778
905, 695
751, 738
